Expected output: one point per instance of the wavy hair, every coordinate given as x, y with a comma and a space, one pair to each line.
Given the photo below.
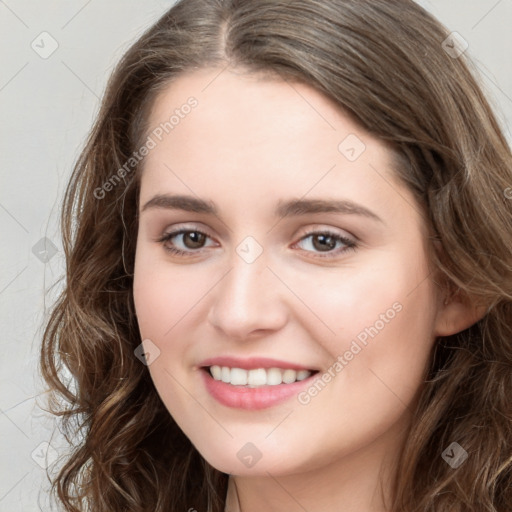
384, 63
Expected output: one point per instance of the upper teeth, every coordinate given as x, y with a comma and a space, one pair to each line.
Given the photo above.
258, 376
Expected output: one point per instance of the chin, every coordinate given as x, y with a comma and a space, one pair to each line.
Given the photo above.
246, 461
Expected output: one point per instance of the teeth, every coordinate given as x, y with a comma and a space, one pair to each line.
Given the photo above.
289, 376
225, 375
274, 376
239, 377
257, 377
303, 374
216, 372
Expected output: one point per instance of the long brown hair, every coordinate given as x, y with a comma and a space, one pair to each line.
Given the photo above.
384, 63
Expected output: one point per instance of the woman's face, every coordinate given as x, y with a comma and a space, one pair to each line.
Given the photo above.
299, 249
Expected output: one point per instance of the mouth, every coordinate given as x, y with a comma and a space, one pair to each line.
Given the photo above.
257, 377
257, 387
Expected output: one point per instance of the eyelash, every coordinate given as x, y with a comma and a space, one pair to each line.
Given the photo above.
350, 245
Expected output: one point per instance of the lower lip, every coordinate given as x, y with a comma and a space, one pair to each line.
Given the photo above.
241, 397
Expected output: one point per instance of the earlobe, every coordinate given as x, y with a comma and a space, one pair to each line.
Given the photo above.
457, 314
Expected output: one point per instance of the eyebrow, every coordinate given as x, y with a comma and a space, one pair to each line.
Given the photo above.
289, 208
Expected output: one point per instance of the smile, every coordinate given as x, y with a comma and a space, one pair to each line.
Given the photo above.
256, 387
257, 377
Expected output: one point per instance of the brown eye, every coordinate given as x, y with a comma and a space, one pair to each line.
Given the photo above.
323, 242
326, 244
185, 241
193, 239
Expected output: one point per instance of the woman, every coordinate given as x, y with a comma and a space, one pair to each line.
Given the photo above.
288, 270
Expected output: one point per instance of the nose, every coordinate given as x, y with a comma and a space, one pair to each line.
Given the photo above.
249, 301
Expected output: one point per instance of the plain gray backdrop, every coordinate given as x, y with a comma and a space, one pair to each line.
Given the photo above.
55, 59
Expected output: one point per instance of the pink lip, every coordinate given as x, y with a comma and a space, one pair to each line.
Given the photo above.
252, 363
241, 397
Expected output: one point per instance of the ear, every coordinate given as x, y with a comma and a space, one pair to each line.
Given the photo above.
456, 313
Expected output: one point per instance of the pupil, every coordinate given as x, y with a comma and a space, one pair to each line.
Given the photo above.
196, 239
326, 242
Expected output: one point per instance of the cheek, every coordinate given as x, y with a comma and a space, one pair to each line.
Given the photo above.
164, 296
344, 301
165, 301
378, 320
383, 322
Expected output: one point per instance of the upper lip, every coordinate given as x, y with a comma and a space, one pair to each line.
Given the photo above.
252, 363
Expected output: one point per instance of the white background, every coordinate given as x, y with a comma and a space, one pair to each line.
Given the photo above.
46, 109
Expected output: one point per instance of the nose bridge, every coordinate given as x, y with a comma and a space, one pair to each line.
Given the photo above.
247, 299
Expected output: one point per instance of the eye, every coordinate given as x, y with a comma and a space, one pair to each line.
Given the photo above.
184, 241
327, 242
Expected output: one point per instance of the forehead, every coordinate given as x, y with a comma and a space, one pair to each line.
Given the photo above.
229, 98
249, 136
